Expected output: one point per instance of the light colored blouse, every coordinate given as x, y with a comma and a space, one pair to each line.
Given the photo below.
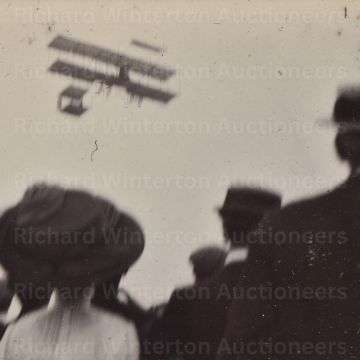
80, 332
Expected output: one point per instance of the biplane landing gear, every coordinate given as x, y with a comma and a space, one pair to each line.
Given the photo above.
132, 97
70, 100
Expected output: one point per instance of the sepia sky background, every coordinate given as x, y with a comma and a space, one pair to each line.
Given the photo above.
253, 79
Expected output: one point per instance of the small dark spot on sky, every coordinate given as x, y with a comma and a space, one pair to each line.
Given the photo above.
339, 33
280, 72
51, 27
345, 12
93, 151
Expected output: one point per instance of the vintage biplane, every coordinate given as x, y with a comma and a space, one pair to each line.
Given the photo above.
71, 99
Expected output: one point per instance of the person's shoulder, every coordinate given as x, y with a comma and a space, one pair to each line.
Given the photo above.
110, 319
300, 210
188, 294
117, 334
30, 321
178, 295
24, 330
273, 231
181, 290
312, 200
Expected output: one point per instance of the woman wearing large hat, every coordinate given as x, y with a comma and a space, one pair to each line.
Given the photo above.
67, 240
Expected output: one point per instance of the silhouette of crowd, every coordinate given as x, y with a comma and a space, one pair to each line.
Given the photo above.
284, 285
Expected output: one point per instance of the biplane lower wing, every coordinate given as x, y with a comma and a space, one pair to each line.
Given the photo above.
85, 74
78, 72
146, 91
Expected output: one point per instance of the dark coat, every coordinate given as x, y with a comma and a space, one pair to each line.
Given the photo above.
307, 256
175, 330
195, 316
214, 313
33, 294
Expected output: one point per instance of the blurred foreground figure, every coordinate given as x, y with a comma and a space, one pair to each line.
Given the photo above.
5, 296
305, 269
32, 294
179, 316
202, 327
5, 301
241, 213
174, 329
74, 241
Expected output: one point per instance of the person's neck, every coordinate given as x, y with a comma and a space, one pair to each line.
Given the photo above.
70, 301
234, 247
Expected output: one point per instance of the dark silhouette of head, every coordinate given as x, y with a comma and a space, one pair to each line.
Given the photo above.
242, 211
348, 148
207, 261
237, 227
65, 239
346, 117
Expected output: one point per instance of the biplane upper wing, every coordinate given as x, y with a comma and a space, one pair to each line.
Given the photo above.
110, 57
144, 45
81, 73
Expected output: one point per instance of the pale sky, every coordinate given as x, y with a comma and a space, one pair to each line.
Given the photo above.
253, 79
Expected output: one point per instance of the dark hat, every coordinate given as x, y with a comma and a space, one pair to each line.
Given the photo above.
207, 260
70, 234
245, 200
346, 112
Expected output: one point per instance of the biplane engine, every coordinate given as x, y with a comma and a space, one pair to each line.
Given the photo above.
71, 100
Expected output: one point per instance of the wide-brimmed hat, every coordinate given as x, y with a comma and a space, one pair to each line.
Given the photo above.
346, 112
70, 234
249, 201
